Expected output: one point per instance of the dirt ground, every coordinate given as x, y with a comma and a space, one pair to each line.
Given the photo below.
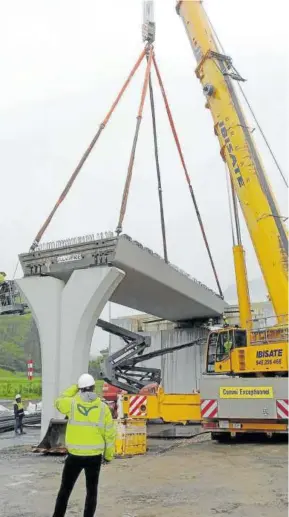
198, 478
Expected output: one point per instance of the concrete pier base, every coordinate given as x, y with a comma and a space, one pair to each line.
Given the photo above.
65, 315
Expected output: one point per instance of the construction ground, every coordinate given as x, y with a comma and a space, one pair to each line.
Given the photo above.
192, 478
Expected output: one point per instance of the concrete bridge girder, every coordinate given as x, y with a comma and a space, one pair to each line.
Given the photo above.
150, 284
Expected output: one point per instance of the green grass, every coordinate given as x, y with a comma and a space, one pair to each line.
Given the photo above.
5, 373
19, 341
98, 387
13, 383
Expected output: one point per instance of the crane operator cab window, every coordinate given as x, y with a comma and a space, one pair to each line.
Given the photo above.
220, 345
240, 338
225, 344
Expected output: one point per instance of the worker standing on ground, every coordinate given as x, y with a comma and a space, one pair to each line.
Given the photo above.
19, 414
90, 437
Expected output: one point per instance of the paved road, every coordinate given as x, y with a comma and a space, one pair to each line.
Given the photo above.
200, 479
8, 440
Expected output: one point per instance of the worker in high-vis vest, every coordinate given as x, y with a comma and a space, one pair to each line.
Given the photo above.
18, 414
90, 439
227, 346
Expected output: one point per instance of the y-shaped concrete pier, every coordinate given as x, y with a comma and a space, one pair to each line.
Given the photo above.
65, 314
67, 284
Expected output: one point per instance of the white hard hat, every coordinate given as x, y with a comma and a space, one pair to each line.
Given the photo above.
18, 396
85, 381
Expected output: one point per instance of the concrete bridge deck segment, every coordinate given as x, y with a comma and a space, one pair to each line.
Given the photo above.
150, 285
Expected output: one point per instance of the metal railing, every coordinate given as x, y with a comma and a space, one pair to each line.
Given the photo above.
10, 298
271, 329
264, 322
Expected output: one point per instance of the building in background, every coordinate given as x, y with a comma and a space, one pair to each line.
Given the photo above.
261, 311
148, 323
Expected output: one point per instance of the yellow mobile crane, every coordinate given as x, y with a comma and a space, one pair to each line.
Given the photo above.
245, 388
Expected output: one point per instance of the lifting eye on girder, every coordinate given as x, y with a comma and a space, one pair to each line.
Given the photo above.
149, 26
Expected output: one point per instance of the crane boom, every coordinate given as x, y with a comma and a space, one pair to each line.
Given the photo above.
264, 222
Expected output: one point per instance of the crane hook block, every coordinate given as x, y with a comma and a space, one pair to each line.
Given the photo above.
149, 26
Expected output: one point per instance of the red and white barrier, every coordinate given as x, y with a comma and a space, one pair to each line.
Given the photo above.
137, 405
282, 406
30, 369
209, 408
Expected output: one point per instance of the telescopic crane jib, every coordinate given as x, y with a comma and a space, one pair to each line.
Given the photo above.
245, 386
217, 75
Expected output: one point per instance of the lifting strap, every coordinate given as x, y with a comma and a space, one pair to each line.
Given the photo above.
172, 124
149, 53
86, 154
135, 140
159, 179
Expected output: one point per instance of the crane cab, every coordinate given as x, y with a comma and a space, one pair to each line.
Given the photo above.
238, 351
221, 343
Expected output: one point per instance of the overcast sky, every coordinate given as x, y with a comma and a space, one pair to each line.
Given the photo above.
62, 63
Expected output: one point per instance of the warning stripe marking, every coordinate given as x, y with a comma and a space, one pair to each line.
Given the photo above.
209, 408
282, 408
30, 369
135, 404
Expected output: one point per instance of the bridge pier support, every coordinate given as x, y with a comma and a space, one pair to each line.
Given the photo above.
65, 315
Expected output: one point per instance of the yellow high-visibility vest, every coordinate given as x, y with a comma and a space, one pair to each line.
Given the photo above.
90, 429
20, 408
227, 346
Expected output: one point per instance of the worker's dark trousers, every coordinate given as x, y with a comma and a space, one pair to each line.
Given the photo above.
18, 425
72, 468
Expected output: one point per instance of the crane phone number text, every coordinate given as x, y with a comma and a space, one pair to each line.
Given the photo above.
267, 357
263, 362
